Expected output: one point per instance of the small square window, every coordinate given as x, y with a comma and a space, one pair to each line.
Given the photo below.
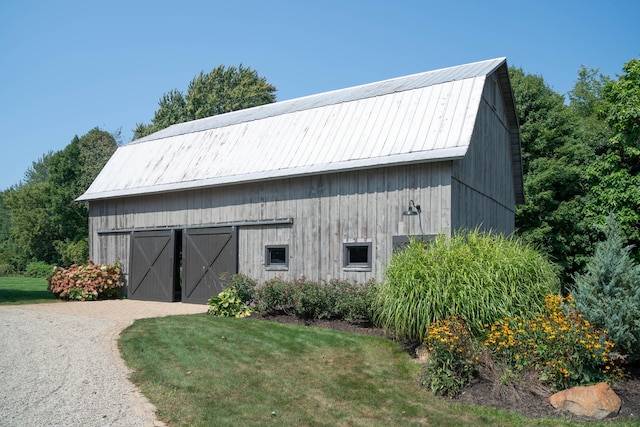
276, 257
401, 242
357, 256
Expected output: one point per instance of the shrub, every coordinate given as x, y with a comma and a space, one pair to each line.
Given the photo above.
73, 252
609, 291
274, 296
244, 285
452, 357
316, 300
87, 282
7, 270
228, 304
312, 300
39, 269
562, 346
353, 301
478, 276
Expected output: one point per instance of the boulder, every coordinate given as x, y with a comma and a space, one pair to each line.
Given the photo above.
596, 401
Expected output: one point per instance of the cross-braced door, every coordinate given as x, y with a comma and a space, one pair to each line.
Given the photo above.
207, 253
152, 275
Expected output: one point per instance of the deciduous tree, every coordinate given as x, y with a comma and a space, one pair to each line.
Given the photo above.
222, 90
614, 177
553, 163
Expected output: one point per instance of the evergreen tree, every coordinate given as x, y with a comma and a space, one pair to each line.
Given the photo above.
608, 293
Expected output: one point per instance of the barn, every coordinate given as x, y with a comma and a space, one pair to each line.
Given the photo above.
323, 187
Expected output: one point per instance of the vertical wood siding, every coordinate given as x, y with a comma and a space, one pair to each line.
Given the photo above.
327, 211
482, 183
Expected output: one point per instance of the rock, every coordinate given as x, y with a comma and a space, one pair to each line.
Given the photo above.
596, 401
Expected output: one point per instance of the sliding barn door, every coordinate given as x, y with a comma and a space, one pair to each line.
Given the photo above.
207, 253
152, 268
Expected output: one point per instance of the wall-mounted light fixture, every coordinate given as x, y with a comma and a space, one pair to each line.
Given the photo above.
412, 211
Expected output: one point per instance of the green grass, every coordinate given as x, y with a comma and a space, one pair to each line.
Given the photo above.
211, 371
24, 290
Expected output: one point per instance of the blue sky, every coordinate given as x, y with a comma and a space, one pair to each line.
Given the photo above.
69, 66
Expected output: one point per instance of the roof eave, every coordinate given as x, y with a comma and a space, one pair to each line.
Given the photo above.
369, 163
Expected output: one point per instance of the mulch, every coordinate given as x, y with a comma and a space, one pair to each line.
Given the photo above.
482, 392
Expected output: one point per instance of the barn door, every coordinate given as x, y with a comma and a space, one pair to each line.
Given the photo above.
153, 276
207, 253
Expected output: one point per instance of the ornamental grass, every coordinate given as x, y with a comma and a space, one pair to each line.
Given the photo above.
479, 276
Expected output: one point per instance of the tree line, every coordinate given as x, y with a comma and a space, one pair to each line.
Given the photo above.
581, 162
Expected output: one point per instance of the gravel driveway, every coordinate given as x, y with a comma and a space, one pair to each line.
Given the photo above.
60, 365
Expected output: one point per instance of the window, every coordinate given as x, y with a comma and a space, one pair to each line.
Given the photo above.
400, 242
276, 257
357, 256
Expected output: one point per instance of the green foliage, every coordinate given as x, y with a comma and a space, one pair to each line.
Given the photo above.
581, 162
586, 96
222, 90
33, 227
622, 113
558, 141
245, 286
39, 169
95, 148
274, 296
316, 300
40, 219
227, 89
6, 270
228, 304
614, 176
73, 252
608, 293
478, 276
88, 282
39, 269
545, 122
558, 343
452, 357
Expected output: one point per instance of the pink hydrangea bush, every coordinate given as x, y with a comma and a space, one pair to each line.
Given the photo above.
88, 282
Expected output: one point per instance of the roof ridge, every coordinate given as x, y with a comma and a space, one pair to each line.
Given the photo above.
323, 99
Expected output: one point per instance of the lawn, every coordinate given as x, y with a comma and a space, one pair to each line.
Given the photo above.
203, 371
24, 290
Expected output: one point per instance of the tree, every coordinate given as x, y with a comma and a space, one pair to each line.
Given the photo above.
95, 149
224, 90
607, 294
581, 162
172, 111
39, 170
44, 221
586, 96
220, 91
614, 178
545, 122
33, 227
554, 174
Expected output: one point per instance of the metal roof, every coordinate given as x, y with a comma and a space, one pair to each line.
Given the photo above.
423, 117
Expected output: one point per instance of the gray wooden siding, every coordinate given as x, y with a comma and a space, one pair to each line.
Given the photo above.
482, 182
327, 210
109, 248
